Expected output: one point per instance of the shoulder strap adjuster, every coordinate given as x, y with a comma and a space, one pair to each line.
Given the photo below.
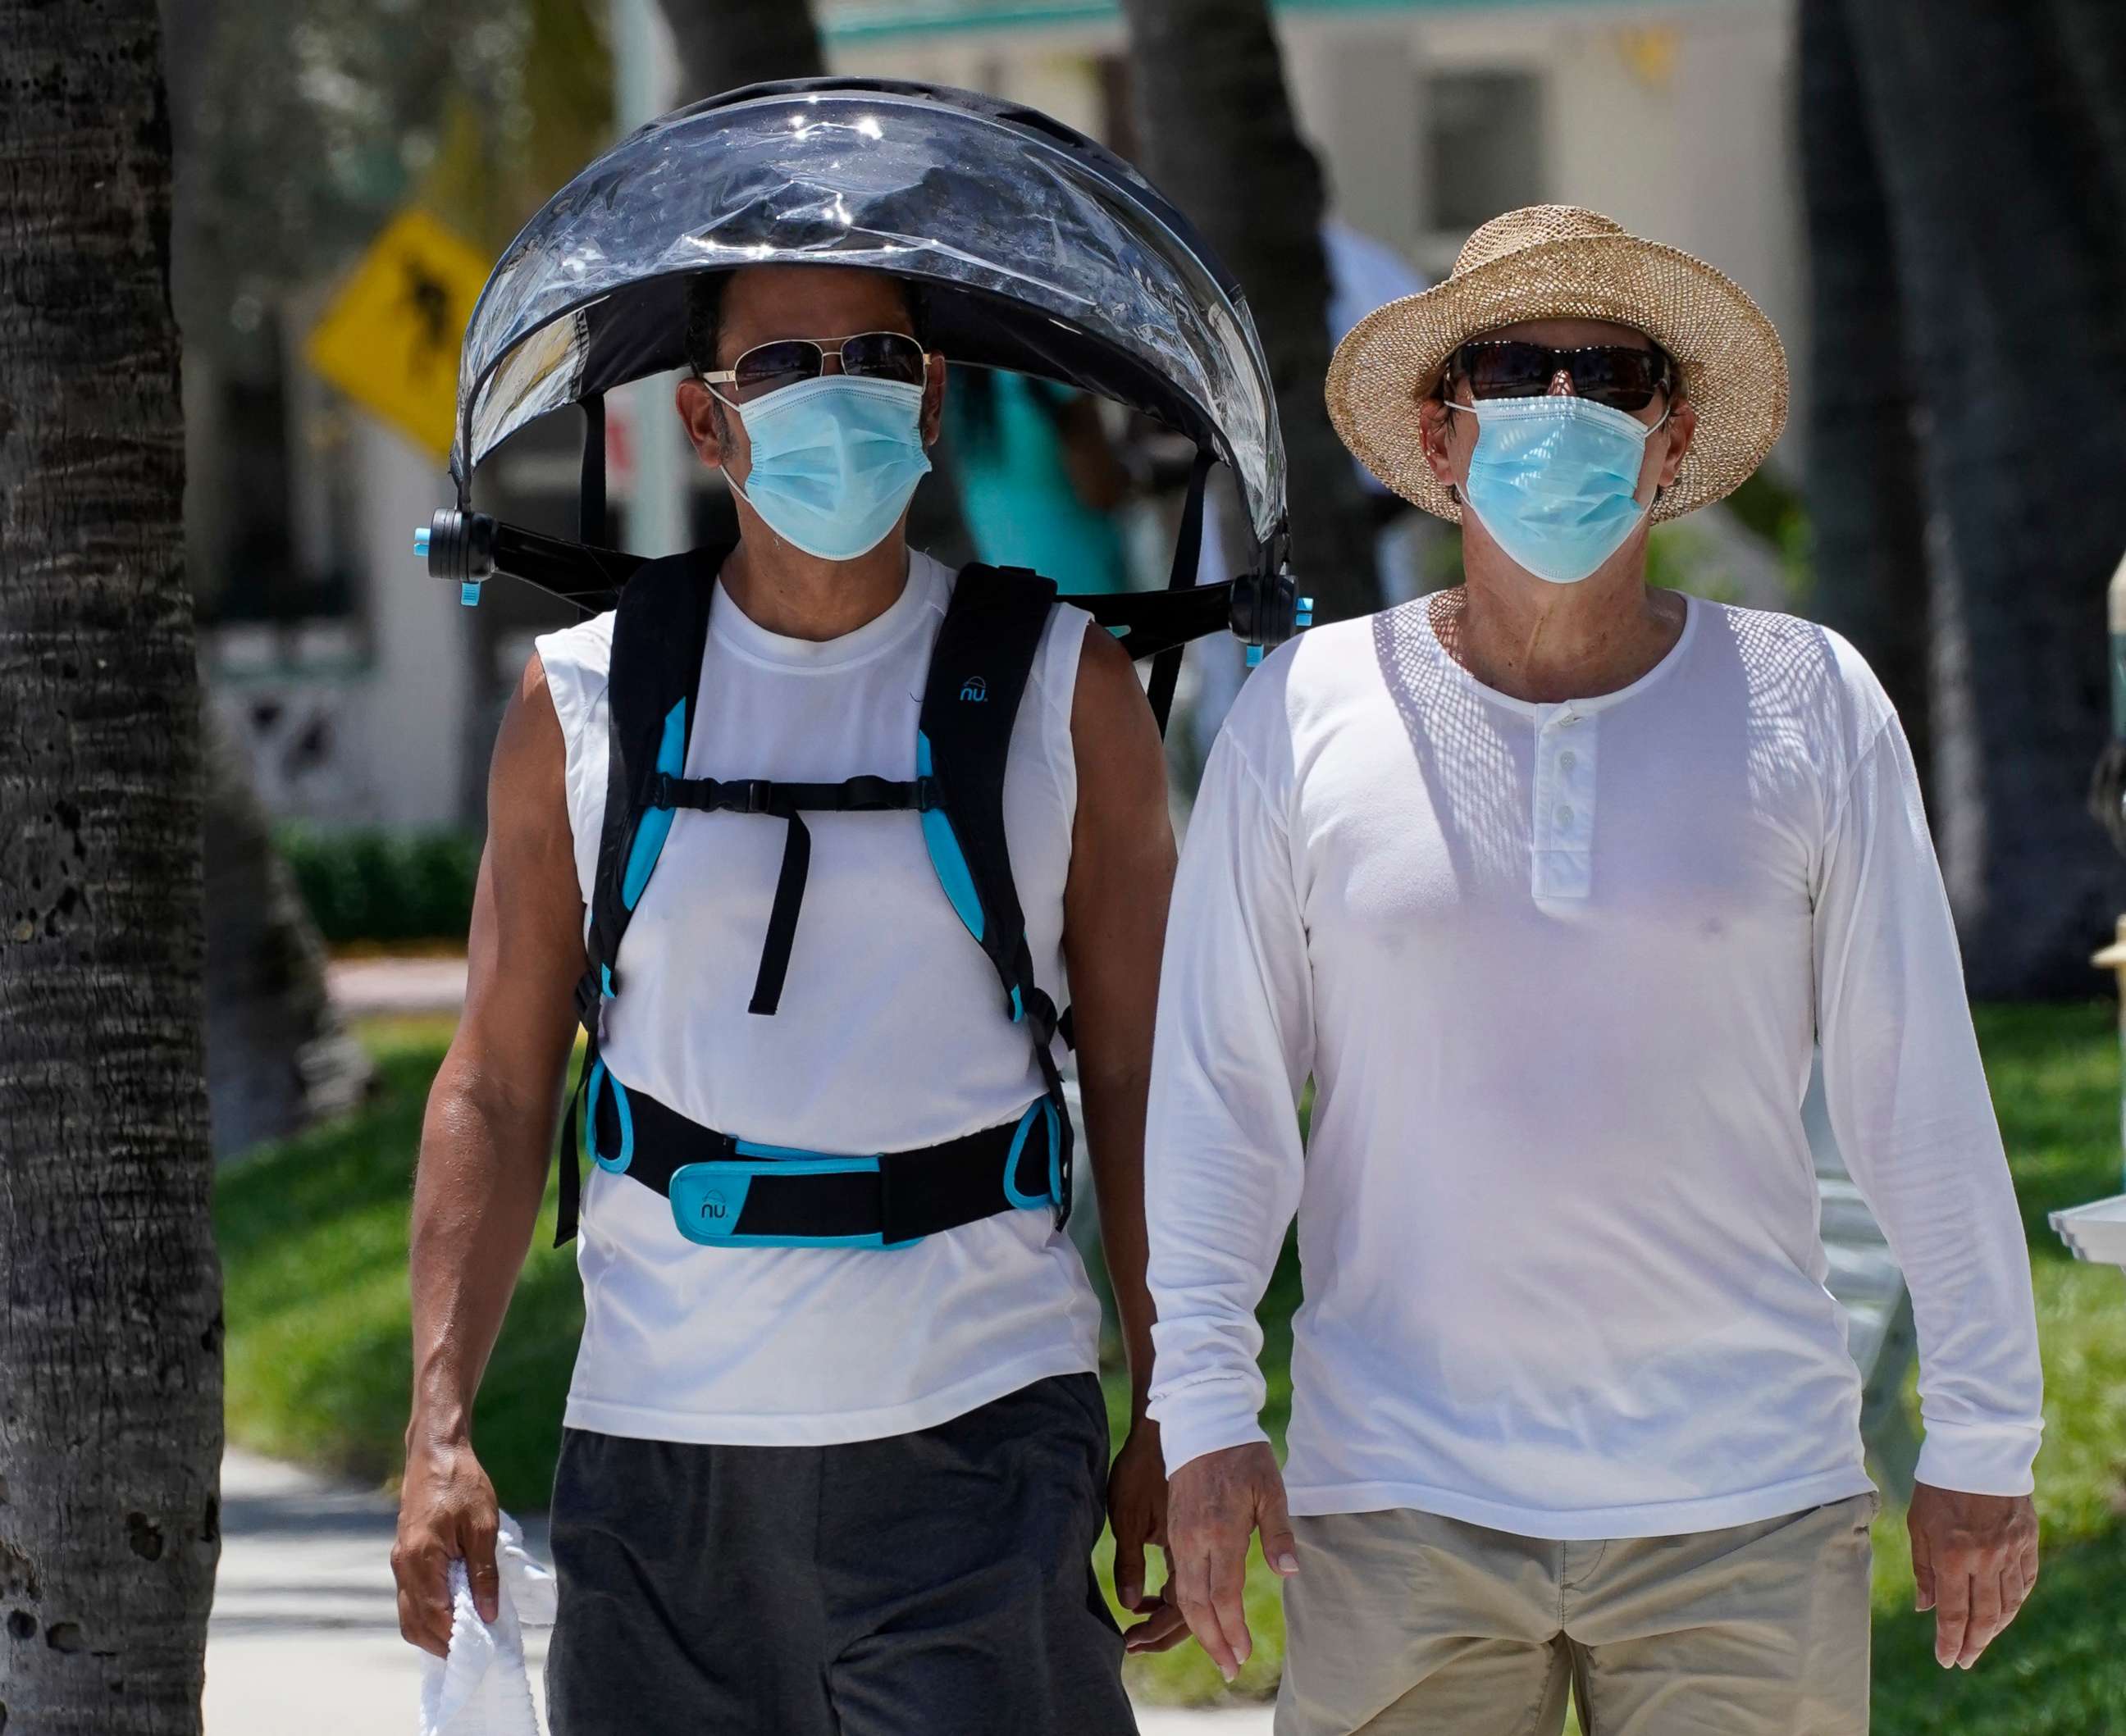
589, 999
1033, 1005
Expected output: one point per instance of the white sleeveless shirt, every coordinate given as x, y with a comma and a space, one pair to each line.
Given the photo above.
891, 1034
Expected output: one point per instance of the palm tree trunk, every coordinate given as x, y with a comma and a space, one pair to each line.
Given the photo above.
278, 1054
723, 44
2010, 271
1867, 497
2093, 35
111, 1339
1222, 143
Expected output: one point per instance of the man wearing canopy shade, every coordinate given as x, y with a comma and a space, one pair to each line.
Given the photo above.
806, 1486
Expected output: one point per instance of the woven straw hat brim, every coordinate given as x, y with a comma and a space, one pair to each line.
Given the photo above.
1734, 367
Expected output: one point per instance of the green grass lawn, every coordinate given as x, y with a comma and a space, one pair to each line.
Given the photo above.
312, 1240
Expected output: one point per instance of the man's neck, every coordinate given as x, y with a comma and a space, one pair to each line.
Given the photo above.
799, 596
1547, 643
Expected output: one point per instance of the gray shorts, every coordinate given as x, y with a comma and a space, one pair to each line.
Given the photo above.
938, 1582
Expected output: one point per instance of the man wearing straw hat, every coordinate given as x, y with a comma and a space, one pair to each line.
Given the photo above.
1551, 882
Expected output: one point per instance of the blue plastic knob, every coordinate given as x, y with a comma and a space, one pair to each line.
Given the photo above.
1254, 655
421, 543
469, 594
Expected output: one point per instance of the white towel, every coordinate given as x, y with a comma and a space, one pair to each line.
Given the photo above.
482, 1688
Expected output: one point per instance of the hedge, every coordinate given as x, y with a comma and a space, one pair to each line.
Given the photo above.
372, 884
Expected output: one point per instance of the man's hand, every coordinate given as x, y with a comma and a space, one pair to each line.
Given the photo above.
1975, 1559
1136, 1509
1214, 1503
447, 1511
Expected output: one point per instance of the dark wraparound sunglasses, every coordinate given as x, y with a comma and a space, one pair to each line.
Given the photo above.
1615, 374
767, 367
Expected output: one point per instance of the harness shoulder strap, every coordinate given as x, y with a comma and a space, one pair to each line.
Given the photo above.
984, 653
978, 673
660, 632
659, 635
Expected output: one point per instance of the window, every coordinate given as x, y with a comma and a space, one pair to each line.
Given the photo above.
1484, 147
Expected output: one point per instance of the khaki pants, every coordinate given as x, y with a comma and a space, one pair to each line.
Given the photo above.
1400, 1623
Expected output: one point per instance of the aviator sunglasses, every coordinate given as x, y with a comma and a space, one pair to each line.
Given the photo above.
768, 367
1615, 374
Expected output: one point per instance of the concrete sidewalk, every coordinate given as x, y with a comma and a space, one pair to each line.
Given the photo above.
388, 984
305, 1635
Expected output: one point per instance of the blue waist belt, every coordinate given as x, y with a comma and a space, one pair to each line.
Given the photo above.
729, 1192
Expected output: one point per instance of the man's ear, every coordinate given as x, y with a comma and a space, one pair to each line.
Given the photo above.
703, 419
1682, 425
1434, 421
933, 401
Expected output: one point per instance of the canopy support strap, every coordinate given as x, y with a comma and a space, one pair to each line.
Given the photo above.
1187, 558
590, 499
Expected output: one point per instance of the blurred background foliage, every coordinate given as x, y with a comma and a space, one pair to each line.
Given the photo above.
384, 886
301, 129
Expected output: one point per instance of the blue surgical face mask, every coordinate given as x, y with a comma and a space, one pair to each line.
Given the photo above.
834, 460
1555, 481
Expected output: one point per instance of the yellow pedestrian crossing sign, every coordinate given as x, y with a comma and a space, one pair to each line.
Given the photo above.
391, 337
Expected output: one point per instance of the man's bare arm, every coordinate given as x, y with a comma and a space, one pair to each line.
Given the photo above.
1114, 924
484, 1141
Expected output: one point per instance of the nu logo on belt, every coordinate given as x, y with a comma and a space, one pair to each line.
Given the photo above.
975, 688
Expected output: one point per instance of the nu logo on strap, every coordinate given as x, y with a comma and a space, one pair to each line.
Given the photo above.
975, 687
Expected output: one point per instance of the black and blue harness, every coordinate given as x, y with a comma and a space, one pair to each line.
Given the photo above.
727, 1191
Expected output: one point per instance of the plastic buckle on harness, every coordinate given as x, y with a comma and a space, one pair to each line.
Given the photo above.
756, 793
1033, 1007
590, 1002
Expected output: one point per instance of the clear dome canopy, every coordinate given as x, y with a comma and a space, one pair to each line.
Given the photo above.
1037, 250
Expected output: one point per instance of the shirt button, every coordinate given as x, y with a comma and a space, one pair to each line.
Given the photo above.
1564, 813
1567, 760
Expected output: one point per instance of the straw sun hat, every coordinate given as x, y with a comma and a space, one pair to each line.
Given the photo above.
1558, 262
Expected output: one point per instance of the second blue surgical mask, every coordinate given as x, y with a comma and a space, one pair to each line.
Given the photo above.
835, 460
1555, 481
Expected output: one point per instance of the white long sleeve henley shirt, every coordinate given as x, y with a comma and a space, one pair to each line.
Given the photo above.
1557, 972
